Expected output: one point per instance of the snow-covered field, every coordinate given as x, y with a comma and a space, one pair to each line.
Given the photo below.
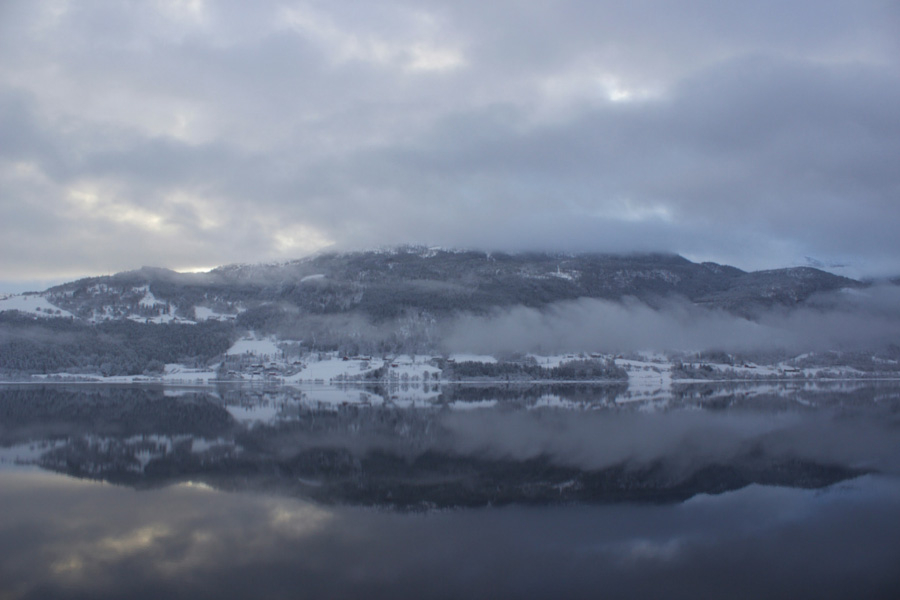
162, 312
479, 358
649, 379
264, 348
412, 380
332, 368
32, 304
204, 313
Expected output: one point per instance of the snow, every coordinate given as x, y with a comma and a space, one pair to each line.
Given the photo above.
479, 358
258, 347
32, 304
175, 373
164, 318
149, 300
401, 370
332, 367
568, 276
552, 361
646, 380
406, 368
204, 313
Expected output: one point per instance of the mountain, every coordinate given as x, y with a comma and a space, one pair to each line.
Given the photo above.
382, 285
404, 299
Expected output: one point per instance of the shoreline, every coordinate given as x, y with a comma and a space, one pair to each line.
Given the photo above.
438, 382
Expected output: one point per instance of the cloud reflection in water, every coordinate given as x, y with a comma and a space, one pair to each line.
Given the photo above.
151, 536
61, 538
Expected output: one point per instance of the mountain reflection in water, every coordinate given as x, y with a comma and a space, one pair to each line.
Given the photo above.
560, 492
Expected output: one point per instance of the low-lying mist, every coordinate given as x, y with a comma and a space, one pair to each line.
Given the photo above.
847, 320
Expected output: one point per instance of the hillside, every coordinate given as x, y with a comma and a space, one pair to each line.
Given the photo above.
406, 299
386, 284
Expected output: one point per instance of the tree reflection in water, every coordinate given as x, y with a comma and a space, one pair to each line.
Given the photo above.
752, 495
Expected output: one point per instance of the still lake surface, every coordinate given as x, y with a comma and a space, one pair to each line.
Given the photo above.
738, 490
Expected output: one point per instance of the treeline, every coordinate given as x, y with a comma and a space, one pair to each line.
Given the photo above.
29, 345
350, 334
574, 370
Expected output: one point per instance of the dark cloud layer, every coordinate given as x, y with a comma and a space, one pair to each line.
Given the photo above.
191, 133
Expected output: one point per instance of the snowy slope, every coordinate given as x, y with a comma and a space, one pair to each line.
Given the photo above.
33, 304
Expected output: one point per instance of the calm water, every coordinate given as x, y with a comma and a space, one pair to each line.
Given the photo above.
740, 491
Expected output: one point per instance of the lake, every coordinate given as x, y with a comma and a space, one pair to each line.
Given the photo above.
728, 490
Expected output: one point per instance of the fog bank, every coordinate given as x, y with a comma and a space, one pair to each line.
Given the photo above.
847, 320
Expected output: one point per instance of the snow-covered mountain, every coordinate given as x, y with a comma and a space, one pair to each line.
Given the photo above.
386, 284
409, 299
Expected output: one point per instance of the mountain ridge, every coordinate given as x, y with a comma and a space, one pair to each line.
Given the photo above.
380, 284
406, 300
386, 283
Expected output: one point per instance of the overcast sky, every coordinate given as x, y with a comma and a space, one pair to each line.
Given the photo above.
195, 133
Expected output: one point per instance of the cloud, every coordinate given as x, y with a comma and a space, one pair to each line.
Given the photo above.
846, 320
754, 135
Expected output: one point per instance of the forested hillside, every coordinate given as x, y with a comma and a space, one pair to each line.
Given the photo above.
407, 299
31, 345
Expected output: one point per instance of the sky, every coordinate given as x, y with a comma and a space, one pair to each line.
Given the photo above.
194, 133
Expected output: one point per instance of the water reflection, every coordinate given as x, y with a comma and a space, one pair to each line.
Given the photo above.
749, 491
465, 447
61, 537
